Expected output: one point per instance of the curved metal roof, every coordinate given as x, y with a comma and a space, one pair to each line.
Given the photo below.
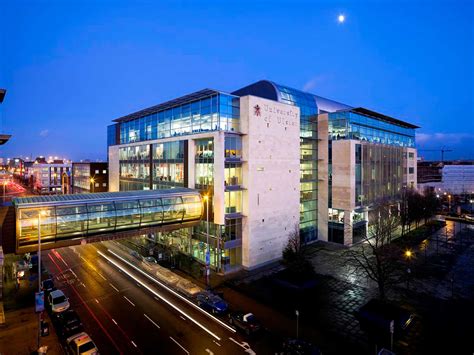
55, 200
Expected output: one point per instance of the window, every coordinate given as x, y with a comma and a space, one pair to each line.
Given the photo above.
411, 155
233, 147
104, 171
97, 172
411, 170
96, 184
104, 184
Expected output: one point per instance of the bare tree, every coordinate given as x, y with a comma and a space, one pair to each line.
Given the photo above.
295, 255
375, 256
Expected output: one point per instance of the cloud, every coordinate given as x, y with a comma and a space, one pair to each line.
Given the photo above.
313, 82
442, 138
44, 133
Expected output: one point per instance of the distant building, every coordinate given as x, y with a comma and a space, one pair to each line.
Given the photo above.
52, 177
90, 177
452, 177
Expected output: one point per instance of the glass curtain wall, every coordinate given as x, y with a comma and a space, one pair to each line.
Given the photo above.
168, 165
134, 163
213, 113
308, 158
204, 169
382, 174
350, 125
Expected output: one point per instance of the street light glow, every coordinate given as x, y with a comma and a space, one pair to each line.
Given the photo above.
408, 253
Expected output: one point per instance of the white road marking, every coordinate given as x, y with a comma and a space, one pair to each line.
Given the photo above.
182, 317
96, 300
113, 320
171, 291
156, 298
217, 343
101, 275
84, 285
64, 262
209, 351
182, 347
73, 273
151, 320
115, 288
164, 299
244, 346
129, 301
135, 345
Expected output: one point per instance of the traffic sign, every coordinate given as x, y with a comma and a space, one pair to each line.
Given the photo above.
39, 301
208, 258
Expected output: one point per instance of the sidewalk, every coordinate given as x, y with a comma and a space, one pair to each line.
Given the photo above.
19, 335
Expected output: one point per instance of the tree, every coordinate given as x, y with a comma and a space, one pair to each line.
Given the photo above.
376, 258
295, 255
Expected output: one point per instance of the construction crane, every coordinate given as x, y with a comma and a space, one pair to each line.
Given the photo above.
442, 150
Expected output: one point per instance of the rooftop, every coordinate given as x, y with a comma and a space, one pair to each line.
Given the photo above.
367, 112
53, 200
198, 95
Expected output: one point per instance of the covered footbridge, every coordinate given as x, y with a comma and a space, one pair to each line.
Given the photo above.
63, 220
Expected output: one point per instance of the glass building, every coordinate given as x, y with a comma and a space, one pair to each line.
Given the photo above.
200, 141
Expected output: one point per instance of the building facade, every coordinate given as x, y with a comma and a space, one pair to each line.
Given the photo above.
271, 158
52, 177
90, 177
451, 177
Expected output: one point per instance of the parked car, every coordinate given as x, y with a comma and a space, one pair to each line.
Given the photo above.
245, 322
150, 259
68, 323
377, 315
211, 302
57, 302
47, 286
81, 344
298, 347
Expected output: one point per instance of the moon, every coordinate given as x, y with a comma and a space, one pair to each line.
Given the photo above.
341, 18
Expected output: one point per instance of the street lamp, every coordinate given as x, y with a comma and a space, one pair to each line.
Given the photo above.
92, 182
4, 187
449, 202
408, 255
40, 213
208, 252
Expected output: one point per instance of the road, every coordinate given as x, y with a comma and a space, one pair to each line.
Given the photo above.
124, 312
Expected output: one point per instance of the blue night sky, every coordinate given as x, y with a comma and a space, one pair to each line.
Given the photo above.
70, 67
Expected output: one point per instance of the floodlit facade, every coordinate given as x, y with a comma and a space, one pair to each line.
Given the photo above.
51, 177
452, 177
270, 157
90, 177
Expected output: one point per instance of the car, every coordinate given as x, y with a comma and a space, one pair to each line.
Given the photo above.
298, 347
81, 343
211, 302
150, 259
377, 315
245, 322
68, 323
47, 286
58, 302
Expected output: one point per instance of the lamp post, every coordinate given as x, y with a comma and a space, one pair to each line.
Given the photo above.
4, 187
208, 252
92, 183
40, 212
297, 323
449, 202
408, 255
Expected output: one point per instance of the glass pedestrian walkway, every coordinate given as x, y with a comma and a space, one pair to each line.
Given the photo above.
66, 217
